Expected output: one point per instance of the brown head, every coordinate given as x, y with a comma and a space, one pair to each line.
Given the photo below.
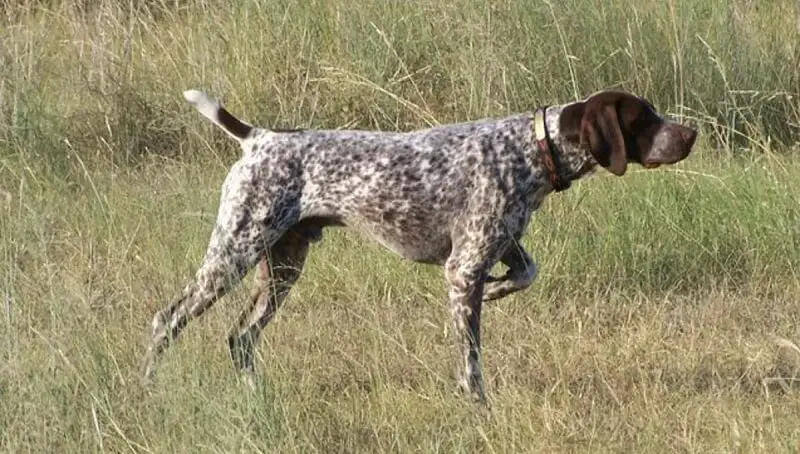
618, 128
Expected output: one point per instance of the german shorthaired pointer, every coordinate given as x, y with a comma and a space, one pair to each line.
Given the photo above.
457, 195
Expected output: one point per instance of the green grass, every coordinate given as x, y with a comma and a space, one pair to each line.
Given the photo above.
665, 316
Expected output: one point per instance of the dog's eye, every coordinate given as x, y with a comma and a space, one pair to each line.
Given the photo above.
643, 120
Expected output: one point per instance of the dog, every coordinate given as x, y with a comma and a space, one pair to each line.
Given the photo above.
457, 195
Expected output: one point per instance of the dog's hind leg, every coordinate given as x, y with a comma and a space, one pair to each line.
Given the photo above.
277, 273
223, 267
239, 240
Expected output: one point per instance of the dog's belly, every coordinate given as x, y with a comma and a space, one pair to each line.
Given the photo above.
424, 245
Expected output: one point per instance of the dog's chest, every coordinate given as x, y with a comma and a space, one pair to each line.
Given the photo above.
519, 210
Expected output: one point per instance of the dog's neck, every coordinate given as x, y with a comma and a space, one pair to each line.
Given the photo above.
573, 161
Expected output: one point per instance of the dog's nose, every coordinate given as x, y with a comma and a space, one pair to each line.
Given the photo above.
688, 135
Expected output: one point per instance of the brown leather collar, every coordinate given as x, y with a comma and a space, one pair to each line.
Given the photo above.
546, 149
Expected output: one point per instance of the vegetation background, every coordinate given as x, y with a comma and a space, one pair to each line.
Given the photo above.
665, 317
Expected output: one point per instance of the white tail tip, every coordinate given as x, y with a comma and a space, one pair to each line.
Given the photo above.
213, 110
195, 96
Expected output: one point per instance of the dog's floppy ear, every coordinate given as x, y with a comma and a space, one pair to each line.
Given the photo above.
601, 133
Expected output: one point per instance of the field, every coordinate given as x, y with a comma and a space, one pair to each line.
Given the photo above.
666, 316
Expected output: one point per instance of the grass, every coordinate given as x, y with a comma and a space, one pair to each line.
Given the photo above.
664, 317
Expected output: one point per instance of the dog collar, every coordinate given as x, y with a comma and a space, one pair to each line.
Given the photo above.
546, 151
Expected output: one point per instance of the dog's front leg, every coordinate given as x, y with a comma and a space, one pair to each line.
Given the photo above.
465, 289
520, 275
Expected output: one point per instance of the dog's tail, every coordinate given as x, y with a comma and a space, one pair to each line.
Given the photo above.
214, 111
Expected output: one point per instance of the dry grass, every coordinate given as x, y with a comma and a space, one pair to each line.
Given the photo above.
664, 319
599, 355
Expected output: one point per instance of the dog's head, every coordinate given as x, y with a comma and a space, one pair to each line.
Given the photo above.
618, 128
